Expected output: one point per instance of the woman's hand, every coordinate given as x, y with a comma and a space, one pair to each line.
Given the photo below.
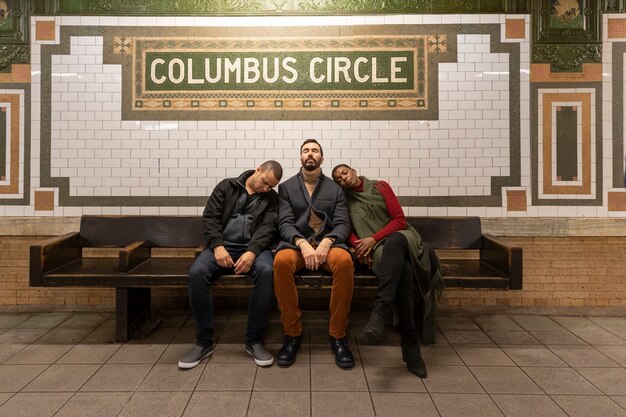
364, 246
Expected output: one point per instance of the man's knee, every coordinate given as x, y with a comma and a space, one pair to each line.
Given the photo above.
341, 260
284, 261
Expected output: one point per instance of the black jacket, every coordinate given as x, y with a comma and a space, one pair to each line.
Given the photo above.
220, 206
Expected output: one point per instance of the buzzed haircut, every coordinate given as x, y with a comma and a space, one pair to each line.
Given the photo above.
338, 167
312, 141
273, 166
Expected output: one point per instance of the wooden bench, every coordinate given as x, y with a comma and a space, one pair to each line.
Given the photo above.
72, 260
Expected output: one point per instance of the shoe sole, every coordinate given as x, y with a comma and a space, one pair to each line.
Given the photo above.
259, 362
284, 364
345, 365
189, 365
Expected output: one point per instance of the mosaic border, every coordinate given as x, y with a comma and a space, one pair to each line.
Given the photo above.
497, 183
619, 49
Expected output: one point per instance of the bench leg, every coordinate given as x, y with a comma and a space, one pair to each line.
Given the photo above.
132, 310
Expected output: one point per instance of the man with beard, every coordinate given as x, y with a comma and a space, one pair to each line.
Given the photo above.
314, 224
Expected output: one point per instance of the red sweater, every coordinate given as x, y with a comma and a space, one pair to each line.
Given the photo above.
397, 221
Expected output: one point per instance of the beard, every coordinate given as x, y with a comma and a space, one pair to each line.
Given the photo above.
310, 167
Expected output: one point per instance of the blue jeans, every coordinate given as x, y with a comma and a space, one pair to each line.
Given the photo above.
205, 271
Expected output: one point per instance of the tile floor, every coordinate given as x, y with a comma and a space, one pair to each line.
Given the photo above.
496, 365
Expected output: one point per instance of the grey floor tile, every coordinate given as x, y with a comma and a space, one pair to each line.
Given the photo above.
85, 320
176, 321
61, 378
10, 320
14, 377
512, 337
528, 406
463, 337
589, 406
497, 322
156, 404
557, 338
39, 354
43, 321
576, 323
234, 332
297, 377
345, 404
612, 381
235, 353
186, 335
505, 380
617, 353
167, 377
451, 379
403, 405
89, 353
227, 377
4, 397
218, 404
29, 404
8, 350
483, 355
161, 335
329, 377
391, 378
541, 323
561, 381
138, 353
620, 399
102, 334
380, 355
466, 405
440, 355
583, 356
596, 337
65, 335
19, 335
456, 323
94, 404
610, 323
280, 404
176, 351
117, 377
532, 356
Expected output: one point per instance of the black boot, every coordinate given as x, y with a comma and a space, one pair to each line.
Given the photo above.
343, 355
411, 353
374, 329
287, 354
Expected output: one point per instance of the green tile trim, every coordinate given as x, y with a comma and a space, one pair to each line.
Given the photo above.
292, 7
619, 49
3, 143
534, 148
25, 200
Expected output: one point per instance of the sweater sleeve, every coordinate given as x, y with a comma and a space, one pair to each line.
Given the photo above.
397, 221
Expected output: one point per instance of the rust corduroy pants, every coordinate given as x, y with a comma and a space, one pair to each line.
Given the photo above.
339, 263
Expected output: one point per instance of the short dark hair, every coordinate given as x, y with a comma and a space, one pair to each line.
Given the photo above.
273, 166
312, 141
339, 166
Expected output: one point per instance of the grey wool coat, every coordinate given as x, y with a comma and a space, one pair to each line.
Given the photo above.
295, 204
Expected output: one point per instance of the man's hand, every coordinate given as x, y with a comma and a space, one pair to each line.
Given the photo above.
244, 263
322, 250
222, 257
364, 246
310, 256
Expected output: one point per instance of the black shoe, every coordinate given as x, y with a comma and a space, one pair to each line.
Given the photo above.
414, 363
374, 329
287, 354
343, 356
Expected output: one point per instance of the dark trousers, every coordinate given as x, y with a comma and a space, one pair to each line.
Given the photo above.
205, 271
396, 283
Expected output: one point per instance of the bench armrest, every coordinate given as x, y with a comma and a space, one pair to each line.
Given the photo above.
503, 256
132, 255
52, 253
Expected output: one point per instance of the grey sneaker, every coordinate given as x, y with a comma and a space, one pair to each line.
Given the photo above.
261, 356
193, 358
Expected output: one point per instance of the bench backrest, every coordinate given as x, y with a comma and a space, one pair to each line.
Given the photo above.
449, 232
186, 231
157, 231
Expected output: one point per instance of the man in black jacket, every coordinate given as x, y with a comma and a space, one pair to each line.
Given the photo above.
240, 226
